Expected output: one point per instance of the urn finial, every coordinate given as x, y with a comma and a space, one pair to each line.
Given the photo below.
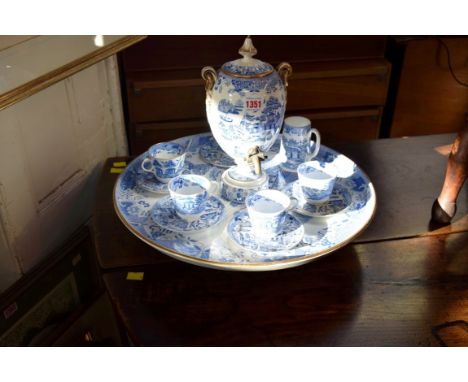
247, 50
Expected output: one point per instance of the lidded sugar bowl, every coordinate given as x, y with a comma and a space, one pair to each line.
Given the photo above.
245, 106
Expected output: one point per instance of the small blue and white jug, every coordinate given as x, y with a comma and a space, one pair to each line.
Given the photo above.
296, 140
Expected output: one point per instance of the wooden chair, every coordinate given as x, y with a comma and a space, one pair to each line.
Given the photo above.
445, 206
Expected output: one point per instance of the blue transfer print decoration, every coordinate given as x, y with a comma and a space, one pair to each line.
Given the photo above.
209, 241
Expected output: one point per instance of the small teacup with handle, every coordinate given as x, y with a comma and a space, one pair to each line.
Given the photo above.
189, 193
267, 211
316, 180
165, 160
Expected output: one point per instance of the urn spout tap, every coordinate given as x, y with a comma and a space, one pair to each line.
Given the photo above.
255, 157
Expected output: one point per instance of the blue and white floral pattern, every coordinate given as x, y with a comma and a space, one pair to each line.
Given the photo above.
214, 247
269, 84
164, 160
316, 180
317, 195
246, 112
191, 202
340, 200
276, 179
224, 106
296, 152
268, 212
212, 154
236, 195
168, 148
236, 67
297, 142
290, 166
164, 214
149, 183
241, 231
178, 241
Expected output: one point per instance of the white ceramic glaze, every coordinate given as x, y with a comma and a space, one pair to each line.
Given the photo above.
316, 181
340, 199
165, 160
189, 193
212, 154
165, 215
267, 212
236, 191
289, 235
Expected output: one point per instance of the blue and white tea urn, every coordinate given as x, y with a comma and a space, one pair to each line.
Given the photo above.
245, 106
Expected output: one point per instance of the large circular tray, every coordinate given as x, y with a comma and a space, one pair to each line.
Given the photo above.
213, 247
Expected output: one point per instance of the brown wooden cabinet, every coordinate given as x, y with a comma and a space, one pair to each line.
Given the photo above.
429, 100
339, 82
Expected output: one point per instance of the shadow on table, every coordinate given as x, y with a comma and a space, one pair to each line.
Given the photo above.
445, 272
184, 305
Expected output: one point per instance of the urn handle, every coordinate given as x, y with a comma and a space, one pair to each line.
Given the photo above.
209, 75
284, 70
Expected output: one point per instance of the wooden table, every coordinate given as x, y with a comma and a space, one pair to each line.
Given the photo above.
401, 283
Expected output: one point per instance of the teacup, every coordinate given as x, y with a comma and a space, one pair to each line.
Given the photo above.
267, 211
189, 194
316, 180
165, 160
296, 137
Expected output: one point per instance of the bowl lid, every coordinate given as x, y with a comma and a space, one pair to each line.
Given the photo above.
247, 67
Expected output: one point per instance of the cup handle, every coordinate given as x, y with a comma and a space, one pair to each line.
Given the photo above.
315, 132
147, 160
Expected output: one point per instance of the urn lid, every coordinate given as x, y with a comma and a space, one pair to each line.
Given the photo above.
247, 67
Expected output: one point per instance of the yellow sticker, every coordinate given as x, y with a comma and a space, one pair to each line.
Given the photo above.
119, 164
135, 276
76, 259
116, 170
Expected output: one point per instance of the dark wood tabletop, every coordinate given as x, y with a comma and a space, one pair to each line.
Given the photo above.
402, 282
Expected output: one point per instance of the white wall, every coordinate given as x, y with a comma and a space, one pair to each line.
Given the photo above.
52, 145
